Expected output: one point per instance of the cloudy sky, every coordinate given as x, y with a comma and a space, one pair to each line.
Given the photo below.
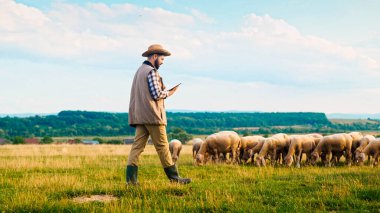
244, 55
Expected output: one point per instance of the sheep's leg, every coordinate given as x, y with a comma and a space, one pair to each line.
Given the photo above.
283, 154
263, 162
236, 157
299, 156
308, 158
273, 160
252, 155
328, 159
348, 156
369, 160
375, 159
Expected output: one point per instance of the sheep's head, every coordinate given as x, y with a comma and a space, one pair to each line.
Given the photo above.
246, 155
356, 157
288, 160
199, 159
361, 158
314, 158
174, 158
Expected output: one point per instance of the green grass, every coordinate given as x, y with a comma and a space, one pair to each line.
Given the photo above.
30, 183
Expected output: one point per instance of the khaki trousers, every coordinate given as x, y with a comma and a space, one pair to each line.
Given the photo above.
160, 142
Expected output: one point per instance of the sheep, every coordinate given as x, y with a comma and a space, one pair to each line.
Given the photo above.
298, 145
219, 143
317, 137
356, 137
275, 145
248, 144
362, 144
196, 146
372, 149
175, 147
333, 144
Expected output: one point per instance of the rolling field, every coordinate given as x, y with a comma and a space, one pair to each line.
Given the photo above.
50, 178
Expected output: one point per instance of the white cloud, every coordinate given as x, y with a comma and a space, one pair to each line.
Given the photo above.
266, 65
202, 16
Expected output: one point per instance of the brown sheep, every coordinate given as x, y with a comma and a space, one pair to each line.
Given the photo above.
333, 144
249, 143
372, 149
196, 146
219, 143
298, 145
362, 144
276, 146
175, 147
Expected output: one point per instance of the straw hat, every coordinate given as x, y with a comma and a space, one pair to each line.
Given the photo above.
156, 49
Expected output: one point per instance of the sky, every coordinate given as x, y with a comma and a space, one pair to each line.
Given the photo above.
239, 55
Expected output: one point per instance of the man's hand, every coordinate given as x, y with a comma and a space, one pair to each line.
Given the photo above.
173, 90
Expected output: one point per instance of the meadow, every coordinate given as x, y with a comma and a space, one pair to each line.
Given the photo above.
49, 178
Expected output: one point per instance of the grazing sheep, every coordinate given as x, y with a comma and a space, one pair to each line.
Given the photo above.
219, 143
356, 137
276, 146
298, 145
175, 147
196, 146
248, 143
372, 149
317, 137
333, 144
362, 144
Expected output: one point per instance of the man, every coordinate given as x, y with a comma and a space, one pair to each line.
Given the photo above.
147, 114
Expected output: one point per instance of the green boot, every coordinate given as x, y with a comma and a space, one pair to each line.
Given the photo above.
173, 175
132, 175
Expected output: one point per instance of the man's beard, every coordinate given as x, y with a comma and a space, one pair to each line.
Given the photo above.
156, 64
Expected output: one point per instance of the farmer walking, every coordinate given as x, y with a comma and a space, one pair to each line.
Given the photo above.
147, 114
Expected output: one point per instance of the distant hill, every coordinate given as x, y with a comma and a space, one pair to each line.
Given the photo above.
352, 116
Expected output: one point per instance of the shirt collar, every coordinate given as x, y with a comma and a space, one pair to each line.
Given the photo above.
149, 64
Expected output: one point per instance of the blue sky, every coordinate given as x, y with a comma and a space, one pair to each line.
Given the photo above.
321, 56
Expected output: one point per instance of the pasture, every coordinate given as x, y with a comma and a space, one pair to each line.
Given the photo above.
49, 178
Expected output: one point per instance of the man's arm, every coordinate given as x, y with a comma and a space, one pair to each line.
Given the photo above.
155, 91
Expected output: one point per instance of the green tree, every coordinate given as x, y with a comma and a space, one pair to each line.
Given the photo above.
246, 132
114, 141
18, 140
2, 133
179, 134
47, 140
100, 140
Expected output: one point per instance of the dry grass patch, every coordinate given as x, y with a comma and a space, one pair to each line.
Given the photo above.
95, 198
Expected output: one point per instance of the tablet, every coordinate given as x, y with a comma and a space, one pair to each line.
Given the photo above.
175, 86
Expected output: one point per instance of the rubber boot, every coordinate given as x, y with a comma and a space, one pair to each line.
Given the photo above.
173, 175
131, 175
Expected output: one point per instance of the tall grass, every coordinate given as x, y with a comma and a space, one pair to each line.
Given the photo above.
36, 178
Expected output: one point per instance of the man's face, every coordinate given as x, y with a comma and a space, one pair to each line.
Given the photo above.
159, 60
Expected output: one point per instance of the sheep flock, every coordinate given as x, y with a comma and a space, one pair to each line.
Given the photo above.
283, 149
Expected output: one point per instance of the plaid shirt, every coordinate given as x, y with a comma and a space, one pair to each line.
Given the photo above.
155, 91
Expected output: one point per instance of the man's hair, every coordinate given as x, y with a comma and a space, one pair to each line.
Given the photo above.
151, 55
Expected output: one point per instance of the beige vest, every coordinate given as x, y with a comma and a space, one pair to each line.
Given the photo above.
143, 109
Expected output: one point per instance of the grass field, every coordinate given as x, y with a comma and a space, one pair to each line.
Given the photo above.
48, 178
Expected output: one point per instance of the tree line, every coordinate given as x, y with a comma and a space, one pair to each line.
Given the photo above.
85, 123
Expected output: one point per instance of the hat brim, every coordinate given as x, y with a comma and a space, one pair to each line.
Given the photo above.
156, 51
